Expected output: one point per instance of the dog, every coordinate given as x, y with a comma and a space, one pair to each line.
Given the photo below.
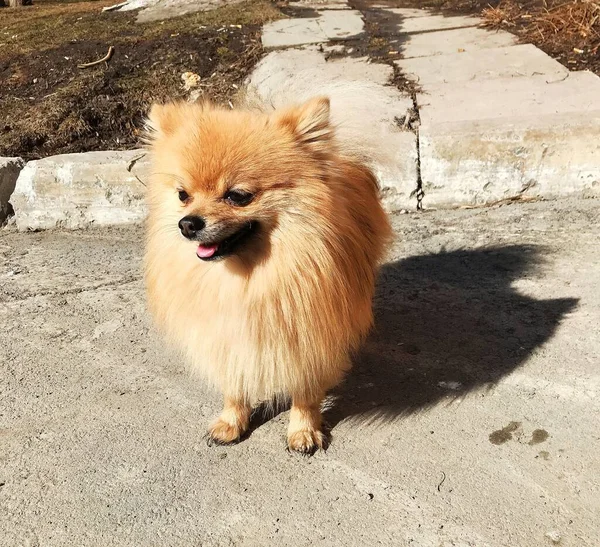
264, 235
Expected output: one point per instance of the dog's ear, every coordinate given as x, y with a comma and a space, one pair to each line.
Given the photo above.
164, 119
309, 123
161, 120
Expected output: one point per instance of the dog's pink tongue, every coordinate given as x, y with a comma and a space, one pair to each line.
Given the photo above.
206, 251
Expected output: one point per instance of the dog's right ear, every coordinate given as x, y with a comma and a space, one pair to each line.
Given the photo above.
164, 119
161, 121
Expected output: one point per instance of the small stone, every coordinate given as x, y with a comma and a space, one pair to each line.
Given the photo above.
9, 172
553, 536
454, 386
190, 80
195, 95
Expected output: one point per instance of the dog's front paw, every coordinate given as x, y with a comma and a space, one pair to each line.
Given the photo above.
222, 432
307, 441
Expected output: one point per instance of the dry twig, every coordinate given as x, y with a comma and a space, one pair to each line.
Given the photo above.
104, 59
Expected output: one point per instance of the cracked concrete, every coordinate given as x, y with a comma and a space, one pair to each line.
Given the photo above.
470, 417
354, 86
497, 120
329, 25
493, 120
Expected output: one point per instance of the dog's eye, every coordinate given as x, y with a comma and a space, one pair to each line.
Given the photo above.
238, 197
183, 195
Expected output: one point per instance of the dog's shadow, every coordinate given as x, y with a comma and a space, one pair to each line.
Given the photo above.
446, 324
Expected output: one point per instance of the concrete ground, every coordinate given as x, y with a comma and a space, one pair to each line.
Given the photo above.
471, 417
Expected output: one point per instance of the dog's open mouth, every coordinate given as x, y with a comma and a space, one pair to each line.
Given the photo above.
227, 246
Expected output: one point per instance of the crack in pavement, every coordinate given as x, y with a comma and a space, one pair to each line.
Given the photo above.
76, 290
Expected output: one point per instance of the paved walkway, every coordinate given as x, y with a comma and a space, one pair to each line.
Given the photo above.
453, 115
471, 418
497, 120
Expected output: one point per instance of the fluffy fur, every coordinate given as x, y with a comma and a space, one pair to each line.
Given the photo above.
283, 314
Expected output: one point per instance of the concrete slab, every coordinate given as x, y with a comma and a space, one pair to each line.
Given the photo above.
485, 64
274, 75
330, 25
9, 172
446, 42
416, 24
292, 32
363, 108
81, 190
407, 12
324, 5
159, 10
481, 370
341, 25
510, 98
493, 139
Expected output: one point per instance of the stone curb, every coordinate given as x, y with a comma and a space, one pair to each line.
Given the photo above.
107, 188
81, 190
534, 136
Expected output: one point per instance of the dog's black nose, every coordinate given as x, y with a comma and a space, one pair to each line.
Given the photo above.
190, 226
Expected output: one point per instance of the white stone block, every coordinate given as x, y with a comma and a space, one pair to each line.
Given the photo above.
445, 42
494, 139
81, 190
483, 64
330, 25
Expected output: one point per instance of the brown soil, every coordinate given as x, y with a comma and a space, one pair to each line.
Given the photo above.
50, 106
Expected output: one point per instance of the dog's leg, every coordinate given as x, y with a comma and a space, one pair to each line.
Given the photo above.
304, 431
232, 423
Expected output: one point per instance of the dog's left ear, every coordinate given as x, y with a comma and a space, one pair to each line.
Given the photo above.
310, 124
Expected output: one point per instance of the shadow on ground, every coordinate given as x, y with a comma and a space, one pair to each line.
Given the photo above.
446, 324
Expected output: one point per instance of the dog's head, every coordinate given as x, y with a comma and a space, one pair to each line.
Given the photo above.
224, 179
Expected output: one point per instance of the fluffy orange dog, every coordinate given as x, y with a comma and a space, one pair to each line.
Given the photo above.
262, 251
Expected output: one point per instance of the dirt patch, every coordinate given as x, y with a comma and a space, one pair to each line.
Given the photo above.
50, 106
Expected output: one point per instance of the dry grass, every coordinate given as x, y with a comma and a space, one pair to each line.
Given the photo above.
49, 106
574, 24
51, 23
577, 21
504, 15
